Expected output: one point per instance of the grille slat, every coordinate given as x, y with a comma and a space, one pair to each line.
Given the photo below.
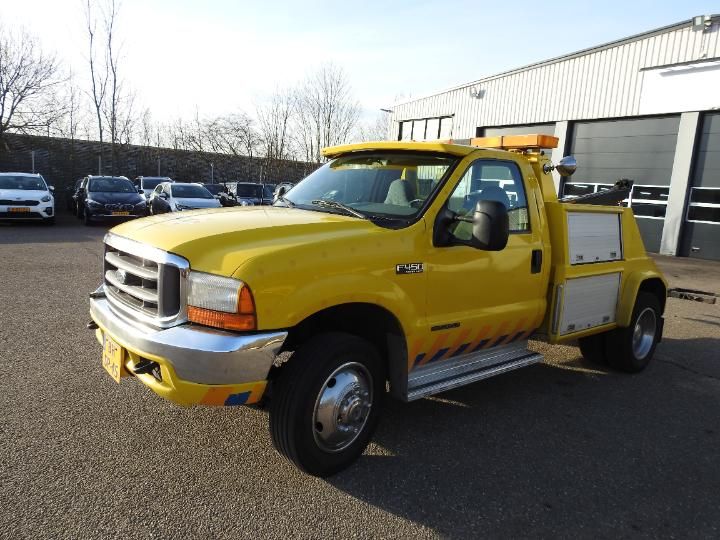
130, 264
141, 293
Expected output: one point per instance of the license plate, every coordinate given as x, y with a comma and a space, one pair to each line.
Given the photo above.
121, 213
112, 358
17, 209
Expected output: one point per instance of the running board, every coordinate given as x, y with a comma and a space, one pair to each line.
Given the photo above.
439, 376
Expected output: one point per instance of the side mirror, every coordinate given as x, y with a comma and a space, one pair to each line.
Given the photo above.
51, 188
491, 227
141, 192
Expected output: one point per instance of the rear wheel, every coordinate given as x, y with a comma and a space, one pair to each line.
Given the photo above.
630, 349
326, 403
593, 348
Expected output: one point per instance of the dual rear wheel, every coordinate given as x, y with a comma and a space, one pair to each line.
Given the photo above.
628, 349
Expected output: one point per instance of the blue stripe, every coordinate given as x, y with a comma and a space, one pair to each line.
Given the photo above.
237, 399
516, 336
498, 340
419, 358
439, 354
460, 349
480, 345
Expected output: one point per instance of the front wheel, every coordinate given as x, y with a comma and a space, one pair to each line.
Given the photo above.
326, 403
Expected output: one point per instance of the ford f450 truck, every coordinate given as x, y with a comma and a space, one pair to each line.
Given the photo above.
401, 267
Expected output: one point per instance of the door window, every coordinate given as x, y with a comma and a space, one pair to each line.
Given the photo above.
490, 180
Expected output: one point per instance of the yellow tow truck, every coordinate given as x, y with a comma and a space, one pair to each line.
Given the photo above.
401, 267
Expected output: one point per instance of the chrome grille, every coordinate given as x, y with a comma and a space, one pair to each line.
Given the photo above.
144, 282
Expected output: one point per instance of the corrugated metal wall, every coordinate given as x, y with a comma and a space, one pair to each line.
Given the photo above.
602, 83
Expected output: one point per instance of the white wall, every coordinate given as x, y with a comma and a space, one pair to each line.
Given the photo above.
690, 87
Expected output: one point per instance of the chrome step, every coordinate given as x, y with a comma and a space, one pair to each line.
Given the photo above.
439, 376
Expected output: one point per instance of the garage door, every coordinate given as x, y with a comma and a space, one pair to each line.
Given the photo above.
701, 231
640, 149
531, 129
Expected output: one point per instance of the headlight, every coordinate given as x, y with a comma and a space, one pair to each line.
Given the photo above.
94, 203
46, 198
141, 204
220, 302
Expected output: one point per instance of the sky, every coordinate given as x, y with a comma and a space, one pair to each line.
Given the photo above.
224, 56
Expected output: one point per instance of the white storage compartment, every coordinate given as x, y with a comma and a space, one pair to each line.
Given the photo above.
588, 302
594, 237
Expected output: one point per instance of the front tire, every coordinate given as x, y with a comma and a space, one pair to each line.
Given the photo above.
86, 218
326, 403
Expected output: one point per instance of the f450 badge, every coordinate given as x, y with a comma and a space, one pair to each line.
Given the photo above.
410, 268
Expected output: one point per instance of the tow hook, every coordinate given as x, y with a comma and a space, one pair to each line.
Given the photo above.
92, 325
144, 366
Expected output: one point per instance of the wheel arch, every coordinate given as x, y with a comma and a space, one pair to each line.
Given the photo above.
372, 322
640, 282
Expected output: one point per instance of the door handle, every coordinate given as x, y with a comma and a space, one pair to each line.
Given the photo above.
536, 261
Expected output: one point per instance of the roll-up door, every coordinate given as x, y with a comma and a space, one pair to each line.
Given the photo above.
639, 149
701, 230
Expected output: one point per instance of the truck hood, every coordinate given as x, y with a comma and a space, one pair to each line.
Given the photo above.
220, 240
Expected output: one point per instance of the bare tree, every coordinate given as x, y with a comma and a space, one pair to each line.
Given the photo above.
326, 112
112, 101
274, 122
375, 129
99, 72
28, 78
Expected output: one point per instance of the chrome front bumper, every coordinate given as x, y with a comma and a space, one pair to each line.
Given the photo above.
197, 354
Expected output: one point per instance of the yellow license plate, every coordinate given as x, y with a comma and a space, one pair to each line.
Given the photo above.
16, 209
121, 213
112, 358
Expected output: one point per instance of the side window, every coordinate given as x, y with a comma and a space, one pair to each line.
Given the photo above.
158, 188
494, 180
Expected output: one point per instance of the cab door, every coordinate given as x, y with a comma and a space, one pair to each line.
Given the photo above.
483, 299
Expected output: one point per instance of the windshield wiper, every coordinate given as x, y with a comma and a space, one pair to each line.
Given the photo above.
288, 202
324, 203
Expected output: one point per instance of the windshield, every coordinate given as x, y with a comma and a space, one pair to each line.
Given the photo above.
151, 183
22, 182
249, 190
389, 184
110, 184
268, 190
190, 191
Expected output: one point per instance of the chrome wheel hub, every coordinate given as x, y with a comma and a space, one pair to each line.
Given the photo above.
644, 333
342, 407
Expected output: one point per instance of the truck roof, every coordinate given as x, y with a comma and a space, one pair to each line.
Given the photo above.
436, 146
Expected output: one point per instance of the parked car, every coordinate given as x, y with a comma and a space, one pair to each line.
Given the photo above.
71, 196
281, 189
149, 183
103, 198
25, 196
177, 197
253, 193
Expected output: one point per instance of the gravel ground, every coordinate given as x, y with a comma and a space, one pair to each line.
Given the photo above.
558, 449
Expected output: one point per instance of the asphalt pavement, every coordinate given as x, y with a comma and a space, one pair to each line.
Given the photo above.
559, 449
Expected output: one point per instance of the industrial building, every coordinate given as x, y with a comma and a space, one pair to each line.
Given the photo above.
645, 108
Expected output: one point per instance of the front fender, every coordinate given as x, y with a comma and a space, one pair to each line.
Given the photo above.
314, 296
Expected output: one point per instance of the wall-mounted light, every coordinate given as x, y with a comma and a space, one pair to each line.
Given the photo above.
476, 92
701, 22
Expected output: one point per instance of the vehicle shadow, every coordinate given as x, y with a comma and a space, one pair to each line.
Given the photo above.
553, 449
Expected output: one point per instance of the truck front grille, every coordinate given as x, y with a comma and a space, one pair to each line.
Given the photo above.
144, 282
